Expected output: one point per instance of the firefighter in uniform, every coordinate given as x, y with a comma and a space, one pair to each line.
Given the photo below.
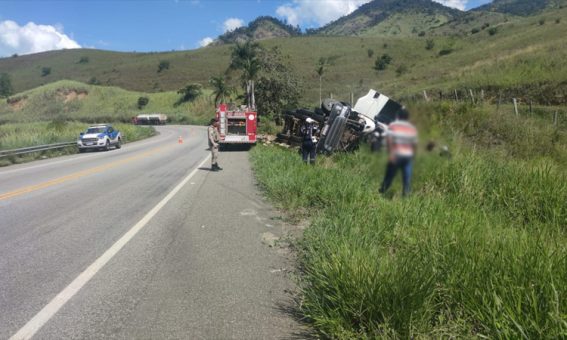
214, 139
309, 144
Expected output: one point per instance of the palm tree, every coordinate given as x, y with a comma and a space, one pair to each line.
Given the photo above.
321, 68
244, 57
221, 90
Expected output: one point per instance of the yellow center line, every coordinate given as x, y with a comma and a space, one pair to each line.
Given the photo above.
76, 175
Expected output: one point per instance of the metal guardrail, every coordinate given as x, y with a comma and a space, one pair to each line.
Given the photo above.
37, 148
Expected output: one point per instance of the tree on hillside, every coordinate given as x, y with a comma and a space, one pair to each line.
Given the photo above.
45, 71
143, 101
321, 67
5, 85
244, 57
221, 90
279, 88
163, 65
189, 93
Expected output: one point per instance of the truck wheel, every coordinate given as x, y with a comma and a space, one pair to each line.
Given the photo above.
119, 143
282, 137
107, 145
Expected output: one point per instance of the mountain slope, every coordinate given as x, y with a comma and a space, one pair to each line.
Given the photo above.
391, 17
521, 56
262, 28
521, 7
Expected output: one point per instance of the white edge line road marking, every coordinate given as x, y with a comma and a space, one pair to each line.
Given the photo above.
66, 294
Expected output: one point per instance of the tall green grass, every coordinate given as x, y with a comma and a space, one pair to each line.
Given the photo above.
101, 104
479, 249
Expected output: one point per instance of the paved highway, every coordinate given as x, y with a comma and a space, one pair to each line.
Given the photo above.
140, 243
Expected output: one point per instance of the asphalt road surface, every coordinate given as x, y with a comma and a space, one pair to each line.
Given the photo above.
143, 242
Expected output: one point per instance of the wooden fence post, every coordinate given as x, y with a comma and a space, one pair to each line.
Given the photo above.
531, 107
515, 106
456, 95
555, 119
472, 96
425, 96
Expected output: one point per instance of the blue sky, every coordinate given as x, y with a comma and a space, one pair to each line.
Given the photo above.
28, 26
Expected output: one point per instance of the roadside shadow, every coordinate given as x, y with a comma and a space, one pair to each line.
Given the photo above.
235, 147
291, 308
206, 168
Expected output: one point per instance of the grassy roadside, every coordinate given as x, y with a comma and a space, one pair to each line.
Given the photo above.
20, 135
480, 249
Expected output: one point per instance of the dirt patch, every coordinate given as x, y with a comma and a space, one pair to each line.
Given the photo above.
68, 95
17, 103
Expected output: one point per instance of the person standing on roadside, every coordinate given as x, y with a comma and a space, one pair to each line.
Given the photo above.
214, 139
401, 140
309, 143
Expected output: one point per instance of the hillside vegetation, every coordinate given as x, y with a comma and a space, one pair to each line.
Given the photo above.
70, 100
391, 17
478, 251
521, 57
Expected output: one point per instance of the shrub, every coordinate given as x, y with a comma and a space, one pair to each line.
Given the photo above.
429, 44
163, 65
190, 93
541, 22
94, 81
445, 51
143, 101
475, 30
558, 20
84, 60
421, 34
370, 53
402, 69
5, 85
493, 31
45, 71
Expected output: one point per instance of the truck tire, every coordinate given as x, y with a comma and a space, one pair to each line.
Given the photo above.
282, 137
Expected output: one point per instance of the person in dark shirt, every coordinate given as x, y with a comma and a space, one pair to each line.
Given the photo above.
309, 144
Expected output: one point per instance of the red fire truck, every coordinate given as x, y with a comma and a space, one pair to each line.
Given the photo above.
236, 125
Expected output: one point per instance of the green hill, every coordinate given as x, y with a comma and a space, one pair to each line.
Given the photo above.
520, 56
262, 28
521, 7
391, 17
70, 100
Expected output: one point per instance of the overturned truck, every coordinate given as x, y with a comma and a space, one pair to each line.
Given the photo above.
342, 127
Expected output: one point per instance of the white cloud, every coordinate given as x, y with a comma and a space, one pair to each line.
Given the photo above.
458, 4
321, 12
318, 12
32, 38
232, 24
205, 41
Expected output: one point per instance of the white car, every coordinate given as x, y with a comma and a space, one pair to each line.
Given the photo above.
100, 137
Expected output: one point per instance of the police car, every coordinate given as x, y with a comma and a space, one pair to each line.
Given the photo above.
100, 137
